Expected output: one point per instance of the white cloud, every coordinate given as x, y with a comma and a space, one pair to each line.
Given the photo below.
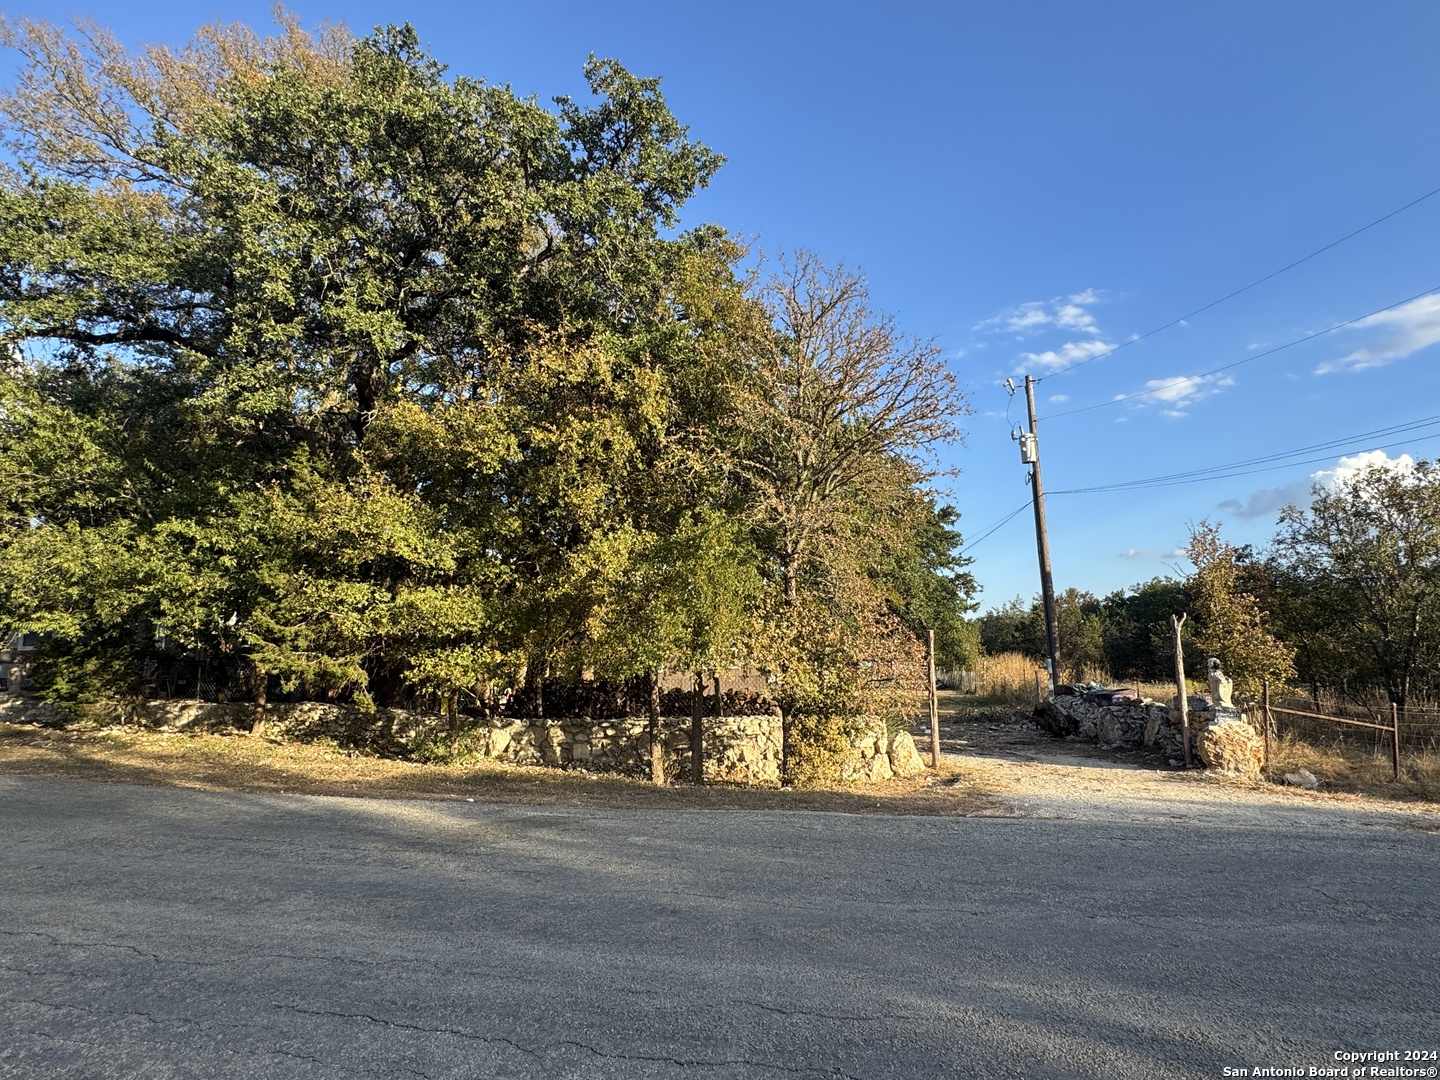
1075, 317
1178, 393
1268, 501
1034, 316
1153, 553
1347, 468
1070, 353
1406, 329
1059, 399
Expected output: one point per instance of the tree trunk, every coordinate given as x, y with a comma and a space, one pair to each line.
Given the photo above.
657, 745
258, 680
697, 730
452, 714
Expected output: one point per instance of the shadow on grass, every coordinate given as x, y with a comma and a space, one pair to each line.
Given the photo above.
243, 763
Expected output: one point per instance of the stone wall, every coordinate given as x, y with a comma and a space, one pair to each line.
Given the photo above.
738, 749
1128, 725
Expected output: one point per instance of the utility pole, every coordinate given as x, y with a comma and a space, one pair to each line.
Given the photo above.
1030, 454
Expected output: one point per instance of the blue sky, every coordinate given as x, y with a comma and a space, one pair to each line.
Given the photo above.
1035, 183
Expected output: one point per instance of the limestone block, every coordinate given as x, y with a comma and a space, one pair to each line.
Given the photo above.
1231, 746
905, 760
1152, 729
880, 768
1107, 728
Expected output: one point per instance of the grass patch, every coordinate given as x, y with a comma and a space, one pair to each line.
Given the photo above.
211, 762
1349, 769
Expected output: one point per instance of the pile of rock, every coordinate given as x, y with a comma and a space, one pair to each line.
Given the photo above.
877, 755
1226, 742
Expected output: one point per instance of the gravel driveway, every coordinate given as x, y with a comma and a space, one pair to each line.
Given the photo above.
1039, 776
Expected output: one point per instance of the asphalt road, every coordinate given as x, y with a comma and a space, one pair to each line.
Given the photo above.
147, 932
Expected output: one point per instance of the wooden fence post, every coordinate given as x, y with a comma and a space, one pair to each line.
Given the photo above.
1182, 693
934, 709
1395, 736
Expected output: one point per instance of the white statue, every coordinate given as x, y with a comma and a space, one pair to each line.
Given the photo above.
1220, 687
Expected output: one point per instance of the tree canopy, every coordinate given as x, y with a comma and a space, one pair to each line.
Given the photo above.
373, 382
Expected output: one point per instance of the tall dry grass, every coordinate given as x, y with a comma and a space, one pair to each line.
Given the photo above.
1343, 766
1010, 678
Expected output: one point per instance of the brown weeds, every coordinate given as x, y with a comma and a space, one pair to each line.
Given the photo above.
1344, 767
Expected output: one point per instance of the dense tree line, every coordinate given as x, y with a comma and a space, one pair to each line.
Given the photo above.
384, 385
1345, 600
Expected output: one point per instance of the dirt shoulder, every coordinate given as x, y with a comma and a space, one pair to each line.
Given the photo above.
1032, 774
247, 763
994, 765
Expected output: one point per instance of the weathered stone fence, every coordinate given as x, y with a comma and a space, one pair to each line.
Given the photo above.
1227, 743
738, 749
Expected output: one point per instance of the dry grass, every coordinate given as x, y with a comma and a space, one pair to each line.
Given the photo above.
1012, 679
1009, 678
244, 763
1346, 768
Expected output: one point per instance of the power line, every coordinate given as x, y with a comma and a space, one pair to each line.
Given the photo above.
1424, 422
1260, 464
1244, 288
1247, 360
1226, 476
967, 545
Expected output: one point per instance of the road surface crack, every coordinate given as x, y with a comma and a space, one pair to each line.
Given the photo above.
826, 1016
703, 1064
540, 1052
403, 1026
62, 944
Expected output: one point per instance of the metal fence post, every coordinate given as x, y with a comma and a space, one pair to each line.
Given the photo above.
1395, 737
1265, 717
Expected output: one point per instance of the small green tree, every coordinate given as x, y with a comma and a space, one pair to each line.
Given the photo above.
672, 601
1365, 556
1232, 626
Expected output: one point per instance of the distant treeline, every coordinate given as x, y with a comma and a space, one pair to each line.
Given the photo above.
1344, 601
